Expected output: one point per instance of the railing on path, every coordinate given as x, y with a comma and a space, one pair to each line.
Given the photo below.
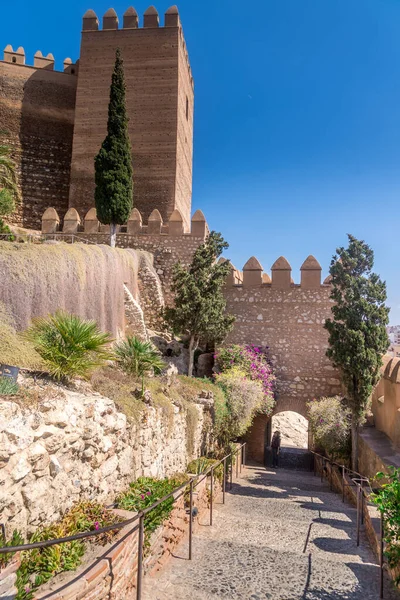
192, 483
361, 483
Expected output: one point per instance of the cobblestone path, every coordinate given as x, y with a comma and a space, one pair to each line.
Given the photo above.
280, 536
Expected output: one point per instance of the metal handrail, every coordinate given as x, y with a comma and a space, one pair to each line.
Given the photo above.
360, 495
192, 483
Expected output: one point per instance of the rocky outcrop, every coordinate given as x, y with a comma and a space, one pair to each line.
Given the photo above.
78, 445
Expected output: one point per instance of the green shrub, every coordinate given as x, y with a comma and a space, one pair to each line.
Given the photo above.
8, 387
202, 464
138, 358
244, 397
387, 499
330, 422
69, 345
144, 492
15, 540
41, 564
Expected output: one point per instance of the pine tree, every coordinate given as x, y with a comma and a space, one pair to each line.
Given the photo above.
357, 332
199, 302
113, 164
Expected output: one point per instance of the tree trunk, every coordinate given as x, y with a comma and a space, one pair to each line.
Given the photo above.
354, 443
192, 348
113, 235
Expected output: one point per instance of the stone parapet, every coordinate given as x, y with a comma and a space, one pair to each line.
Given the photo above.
386, 400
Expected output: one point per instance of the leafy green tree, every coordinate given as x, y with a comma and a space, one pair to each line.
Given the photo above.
138, 358
199, 309
113, 164
357, 332
330, 422
69, 345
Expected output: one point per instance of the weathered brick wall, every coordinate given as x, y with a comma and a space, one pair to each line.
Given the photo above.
37, 114
184, 158
289, 321
8, 578
154, 78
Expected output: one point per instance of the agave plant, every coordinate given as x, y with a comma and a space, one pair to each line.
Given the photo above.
69, 345
138, 358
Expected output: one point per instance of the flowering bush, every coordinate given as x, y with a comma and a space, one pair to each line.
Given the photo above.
244, 398
255, 363
144, 492
330, 421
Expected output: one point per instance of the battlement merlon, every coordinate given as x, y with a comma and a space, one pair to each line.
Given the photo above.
151, 20
17, 57
253, 275
175, 227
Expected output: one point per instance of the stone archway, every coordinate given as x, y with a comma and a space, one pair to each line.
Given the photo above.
260, 433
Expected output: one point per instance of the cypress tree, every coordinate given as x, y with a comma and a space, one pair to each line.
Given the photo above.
357, 332
113, 164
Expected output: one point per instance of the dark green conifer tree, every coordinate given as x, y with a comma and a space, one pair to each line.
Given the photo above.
113, 164
357, 332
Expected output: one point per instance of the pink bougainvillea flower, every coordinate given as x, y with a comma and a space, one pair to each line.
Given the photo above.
97, 525
142, 496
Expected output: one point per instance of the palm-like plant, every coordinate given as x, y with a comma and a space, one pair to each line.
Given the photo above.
69, 345
138, 358
8, 171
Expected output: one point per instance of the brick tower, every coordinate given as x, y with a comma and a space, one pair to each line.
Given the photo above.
159, 95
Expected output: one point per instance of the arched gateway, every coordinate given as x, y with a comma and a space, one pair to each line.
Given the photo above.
288, 318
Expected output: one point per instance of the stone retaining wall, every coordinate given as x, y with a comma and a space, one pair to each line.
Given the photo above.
78, 446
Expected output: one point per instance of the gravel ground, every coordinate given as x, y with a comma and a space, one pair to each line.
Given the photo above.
281, 536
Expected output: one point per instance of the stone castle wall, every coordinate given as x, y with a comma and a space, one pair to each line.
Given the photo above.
57, 121
288, 318
78, 446
158, 86
37, 115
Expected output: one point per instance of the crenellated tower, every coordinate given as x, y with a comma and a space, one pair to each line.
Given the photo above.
159, 92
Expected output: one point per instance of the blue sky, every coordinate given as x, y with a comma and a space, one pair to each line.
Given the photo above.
297, 119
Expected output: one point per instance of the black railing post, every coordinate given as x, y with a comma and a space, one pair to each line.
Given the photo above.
362, 502
322, 469
381, 557
240, 453
140, 558
231, 471
224, 481
358, 514
237, 463
190, 519
343, 481
211, 495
